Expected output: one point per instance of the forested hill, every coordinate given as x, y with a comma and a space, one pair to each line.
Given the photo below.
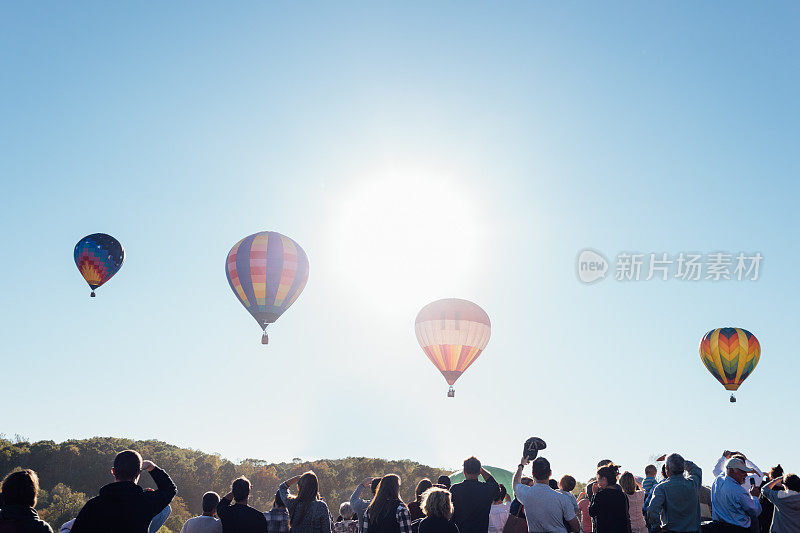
71, 472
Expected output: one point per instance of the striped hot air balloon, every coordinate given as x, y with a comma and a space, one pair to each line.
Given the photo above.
267, 271
452, 333
730, 354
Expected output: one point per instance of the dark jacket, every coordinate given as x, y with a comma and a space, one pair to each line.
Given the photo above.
21, 519
240, 518
415, 511
610, 509
472, 501
124, 507
437, 525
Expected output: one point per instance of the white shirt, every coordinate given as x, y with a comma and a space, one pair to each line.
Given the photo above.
498, 515
752, 480
202, 524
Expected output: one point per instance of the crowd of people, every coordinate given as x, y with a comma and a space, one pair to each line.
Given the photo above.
742, 499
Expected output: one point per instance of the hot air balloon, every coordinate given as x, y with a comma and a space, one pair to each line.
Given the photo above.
730, 354
98, 257
267, 271
453, 333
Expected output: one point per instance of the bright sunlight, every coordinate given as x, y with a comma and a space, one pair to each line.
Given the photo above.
408, 238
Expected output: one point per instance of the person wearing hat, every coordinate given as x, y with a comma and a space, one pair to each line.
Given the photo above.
755, 477
733, 508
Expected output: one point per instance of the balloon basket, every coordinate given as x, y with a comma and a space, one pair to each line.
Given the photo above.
264, 338
92, 295
733, 399
451, 392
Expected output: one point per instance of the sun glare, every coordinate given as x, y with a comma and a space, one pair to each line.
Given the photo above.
408, 239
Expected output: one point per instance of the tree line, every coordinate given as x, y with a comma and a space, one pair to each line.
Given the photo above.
71, 472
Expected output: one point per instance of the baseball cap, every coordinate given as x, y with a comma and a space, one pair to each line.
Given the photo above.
532, 447
737, 464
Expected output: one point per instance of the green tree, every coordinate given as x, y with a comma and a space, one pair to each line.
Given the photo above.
64, 506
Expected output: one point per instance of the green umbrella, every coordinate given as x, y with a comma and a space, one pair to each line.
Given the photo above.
504, 477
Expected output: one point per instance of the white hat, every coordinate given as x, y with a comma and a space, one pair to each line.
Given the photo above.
734, 463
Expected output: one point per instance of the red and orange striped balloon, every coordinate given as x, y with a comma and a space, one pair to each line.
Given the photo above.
452, 333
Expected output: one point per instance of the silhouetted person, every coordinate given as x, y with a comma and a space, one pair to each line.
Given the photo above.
472, 500
357, 504
240, 517
277, 517
307, 513
415, 507
386, 512
124, 506
18, 500
437, 505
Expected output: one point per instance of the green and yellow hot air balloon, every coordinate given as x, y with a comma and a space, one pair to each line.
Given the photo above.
730, 354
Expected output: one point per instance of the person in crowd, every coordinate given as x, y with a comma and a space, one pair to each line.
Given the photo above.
553, 484
565, 486
786, 503
386, 512
345, 523
18, 495
208, 521
415, 507
586, 518
498, 513
160, 519
437, 505
767, 509
472, 499
234, 513
277, 517
733, 507
705, 503
516, 508
545, 509
591, 488
610, 505
357, 504
755, 477
307, 513
649, 481
123, 506
444, 481
635, 497
656, 525
675, 502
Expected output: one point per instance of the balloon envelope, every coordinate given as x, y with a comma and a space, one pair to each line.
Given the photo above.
267, 271
730, 355
452, 333
502, 476
98, 257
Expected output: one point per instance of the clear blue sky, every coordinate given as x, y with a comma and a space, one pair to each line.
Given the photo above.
416, 150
